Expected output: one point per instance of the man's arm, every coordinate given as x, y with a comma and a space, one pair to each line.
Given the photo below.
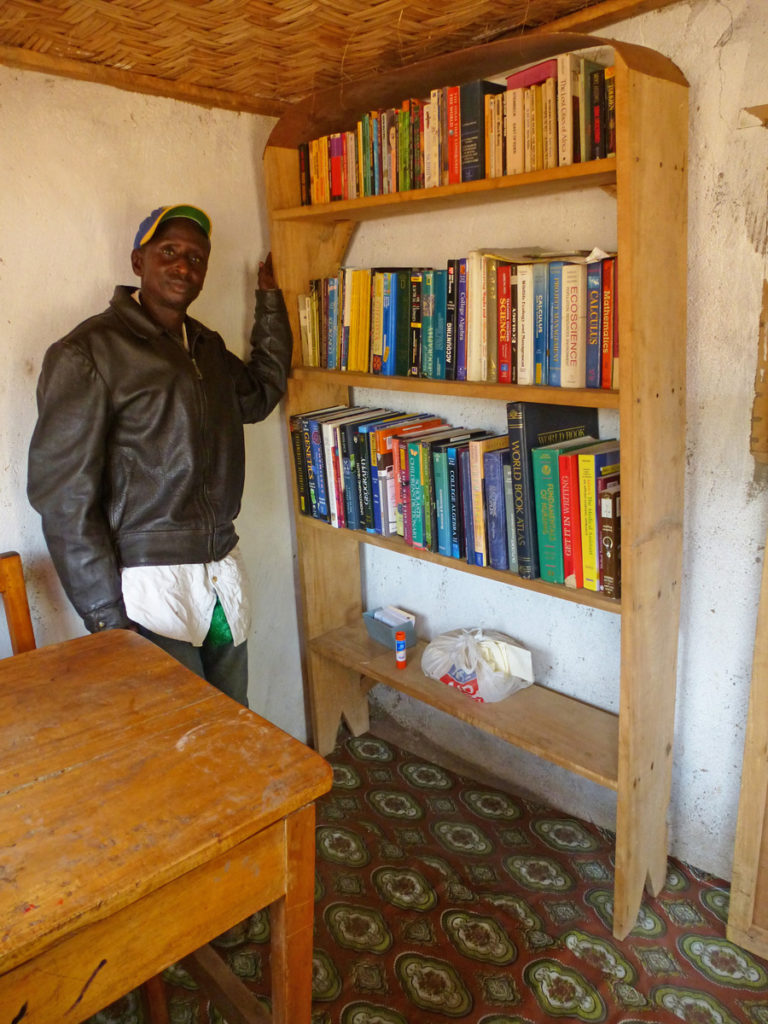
263, 382
65, 480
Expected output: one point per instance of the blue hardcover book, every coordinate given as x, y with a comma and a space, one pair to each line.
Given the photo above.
472, 116
555, 325
594, 323
461, 321
451, 296
456, 518
440, 322
333, 323
390, 324
466, 505
319, 481
442, 499
540, 323
495, 508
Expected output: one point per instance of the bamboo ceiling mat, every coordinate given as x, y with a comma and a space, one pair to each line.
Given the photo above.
260, 55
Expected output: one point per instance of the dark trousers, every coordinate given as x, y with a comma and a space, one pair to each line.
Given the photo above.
223, 665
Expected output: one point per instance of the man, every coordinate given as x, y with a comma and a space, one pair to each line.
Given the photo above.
136, 464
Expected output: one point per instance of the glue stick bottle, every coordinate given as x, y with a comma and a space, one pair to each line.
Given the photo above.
400, 648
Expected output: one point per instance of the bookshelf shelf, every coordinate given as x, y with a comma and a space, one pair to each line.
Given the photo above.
594, 174
589, 398
564, 731
630, 753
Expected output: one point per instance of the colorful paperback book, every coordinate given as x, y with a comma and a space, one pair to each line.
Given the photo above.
456, 517
451, 309
540, 323
532, 425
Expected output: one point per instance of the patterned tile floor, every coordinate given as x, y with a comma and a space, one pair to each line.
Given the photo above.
439, 899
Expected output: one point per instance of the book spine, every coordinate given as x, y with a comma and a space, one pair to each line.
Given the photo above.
490, 319
589, 527
349, 476
546, 489
440, 323
320, 502
525, 513
427, 349
525, 371
442, 501
414, 356
498, 556
555, 325
570, 520
594, 324
515, 122
509, 511
451, 295
300, 465
610, 542
461, 322
453, 118
465, 478
503, 300
416, 494
403, 321
574, 331
454, 503
540, 323
607, 321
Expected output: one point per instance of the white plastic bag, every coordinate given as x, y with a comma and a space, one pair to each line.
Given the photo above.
486, 665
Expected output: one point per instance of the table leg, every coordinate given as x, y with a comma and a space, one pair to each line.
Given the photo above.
292, 919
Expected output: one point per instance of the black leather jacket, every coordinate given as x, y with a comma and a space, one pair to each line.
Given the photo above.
137, 457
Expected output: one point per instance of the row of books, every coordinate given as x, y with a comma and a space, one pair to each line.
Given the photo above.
556, 112
529, 500
503, 316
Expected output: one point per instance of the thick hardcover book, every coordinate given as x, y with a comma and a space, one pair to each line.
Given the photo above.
456, 517
610, 111
442, 499
453, 123
568, 65
503, 311
594, 323
451, 309
491, 318
440, 323
476, 352
427, 353
555, 322
414, 355
465, 476
399, 446
595, 463
573, 373
570, 520
607, 322
586, 68
610, 540
300, 465
496, 508
366, 467
389, 323
350, 469
546, 487
403, 323
477, 449
525, 363
472, 114
331, 428
509, 511
599, 133
531, 425
461, 322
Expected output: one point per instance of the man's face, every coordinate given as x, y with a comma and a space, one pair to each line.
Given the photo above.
172, 265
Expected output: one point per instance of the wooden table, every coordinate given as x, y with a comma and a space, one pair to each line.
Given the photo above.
142, 813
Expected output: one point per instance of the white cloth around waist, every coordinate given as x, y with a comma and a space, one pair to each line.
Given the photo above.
177, 601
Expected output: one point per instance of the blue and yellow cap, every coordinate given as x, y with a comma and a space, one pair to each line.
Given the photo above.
150, 224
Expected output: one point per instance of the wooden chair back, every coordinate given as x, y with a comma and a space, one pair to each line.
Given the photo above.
14, 594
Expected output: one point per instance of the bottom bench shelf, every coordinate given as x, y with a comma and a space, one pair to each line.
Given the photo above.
558, 728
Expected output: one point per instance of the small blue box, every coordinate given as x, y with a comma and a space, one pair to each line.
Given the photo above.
384, 634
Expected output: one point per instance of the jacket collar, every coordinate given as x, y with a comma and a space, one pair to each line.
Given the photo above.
136, 320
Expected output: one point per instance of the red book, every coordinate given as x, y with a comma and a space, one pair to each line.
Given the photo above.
534, 75
454, 134
504, 307
570, 519
608, 322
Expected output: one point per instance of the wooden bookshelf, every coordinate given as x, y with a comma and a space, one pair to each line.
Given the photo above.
630, 753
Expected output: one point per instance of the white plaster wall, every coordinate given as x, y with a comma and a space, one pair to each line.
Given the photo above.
722, 48
80, 165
